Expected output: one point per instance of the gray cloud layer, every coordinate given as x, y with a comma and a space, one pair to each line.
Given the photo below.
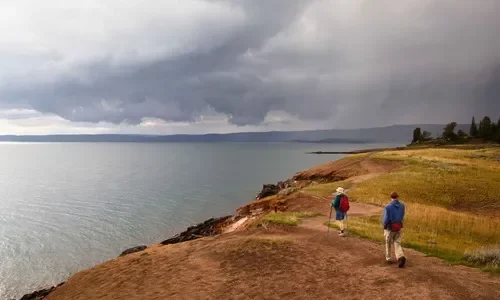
356, 63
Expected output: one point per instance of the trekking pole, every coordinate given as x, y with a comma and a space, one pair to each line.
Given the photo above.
329, 219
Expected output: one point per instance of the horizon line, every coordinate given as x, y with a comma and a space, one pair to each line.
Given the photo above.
214, 133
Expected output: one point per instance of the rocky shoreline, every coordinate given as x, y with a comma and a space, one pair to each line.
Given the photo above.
210, 227
357, 151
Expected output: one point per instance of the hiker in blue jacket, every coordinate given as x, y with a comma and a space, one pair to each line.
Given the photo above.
339, 215
394, 214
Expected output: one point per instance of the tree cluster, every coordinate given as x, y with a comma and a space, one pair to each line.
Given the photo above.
487, 130
420, 136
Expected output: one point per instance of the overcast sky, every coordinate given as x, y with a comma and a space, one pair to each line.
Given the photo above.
196, 66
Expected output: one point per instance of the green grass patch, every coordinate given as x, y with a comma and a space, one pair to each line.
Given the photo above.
288, 218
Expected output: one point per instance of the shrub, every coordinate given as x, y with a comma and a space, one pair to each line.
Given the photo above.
486, 256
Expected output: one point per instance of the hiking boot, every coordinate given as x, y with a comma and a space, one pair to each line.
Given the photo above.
389, 261
342, 234
402, 262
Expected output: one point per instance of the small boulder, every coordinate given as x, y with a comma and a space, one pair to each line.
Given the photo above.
133, 250
287, 191
268, 190
212, 226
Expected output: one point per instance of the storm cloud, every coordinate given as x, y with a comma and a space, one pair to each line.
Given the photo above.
345, 63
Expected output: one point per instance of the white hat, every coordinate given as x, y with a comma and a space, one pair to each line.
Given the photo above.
340, 190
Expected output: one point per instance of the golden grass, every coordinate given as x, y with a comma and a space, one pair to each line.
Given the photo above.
325, 190
436, 230
449, 178
452, 199
287, 218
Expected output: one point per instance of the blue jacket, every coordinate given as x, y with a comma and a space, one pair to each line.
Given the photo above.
394, 212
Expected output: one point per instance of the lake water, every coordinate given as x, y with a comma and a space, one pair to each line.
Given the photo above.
67, 206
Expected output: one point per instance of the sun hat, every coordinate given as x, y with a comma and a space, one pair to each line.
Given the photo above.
340, 190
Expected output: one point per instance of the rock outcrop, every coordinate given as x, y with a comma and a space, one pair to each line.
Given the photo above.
273, 189
133, 250
268, 190
210, 227
40, 294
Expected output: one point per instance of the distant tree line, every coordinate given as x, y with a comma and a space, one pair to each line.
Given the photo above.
487, 131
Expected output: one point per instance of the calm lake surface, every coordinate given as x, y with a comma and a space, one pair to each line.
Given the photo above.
65, 207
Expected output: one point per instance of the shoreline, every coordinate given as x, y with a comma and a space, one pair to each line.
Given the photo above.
471, 146
371, 150
213, 226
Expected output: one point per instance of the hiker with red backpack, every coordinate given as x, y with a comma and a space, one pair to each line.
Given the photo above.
393, 217
341, 206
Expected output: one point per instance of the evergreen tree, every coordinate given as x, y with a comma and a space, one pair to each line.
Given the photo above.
485, 130
473, 128
449, 131
496, 131
416, 135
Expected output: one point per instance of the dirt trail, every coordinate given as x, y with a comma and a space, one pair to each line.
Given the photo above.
277, 263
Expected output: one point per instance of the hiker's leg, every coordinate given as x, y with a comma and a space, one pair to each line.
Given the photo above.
388, 243
397, 245
341, 224
339, 217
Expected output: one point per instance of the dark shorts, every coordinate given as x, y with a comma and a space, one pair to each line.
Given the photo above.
339, 216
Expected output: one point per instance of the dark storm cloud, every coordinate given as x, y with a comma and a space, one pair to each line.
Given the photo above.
358, 63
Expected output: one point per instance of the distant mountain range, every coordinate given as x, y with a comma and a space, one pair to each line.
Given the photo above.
395, 133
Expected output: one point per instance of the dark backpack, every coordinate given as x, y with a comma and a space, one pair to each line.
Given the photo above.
344, 203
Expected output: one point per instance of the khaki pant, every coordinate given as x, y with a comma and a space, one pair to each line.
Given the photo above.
341, 224
392, 237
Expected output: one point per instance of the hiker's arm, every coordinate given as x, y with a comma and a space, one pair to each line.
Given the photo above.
385, 218
336, 202
403, 217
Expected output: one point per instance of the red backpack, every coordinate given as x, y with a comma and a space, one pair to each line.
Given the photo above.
396, 226
344, 203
